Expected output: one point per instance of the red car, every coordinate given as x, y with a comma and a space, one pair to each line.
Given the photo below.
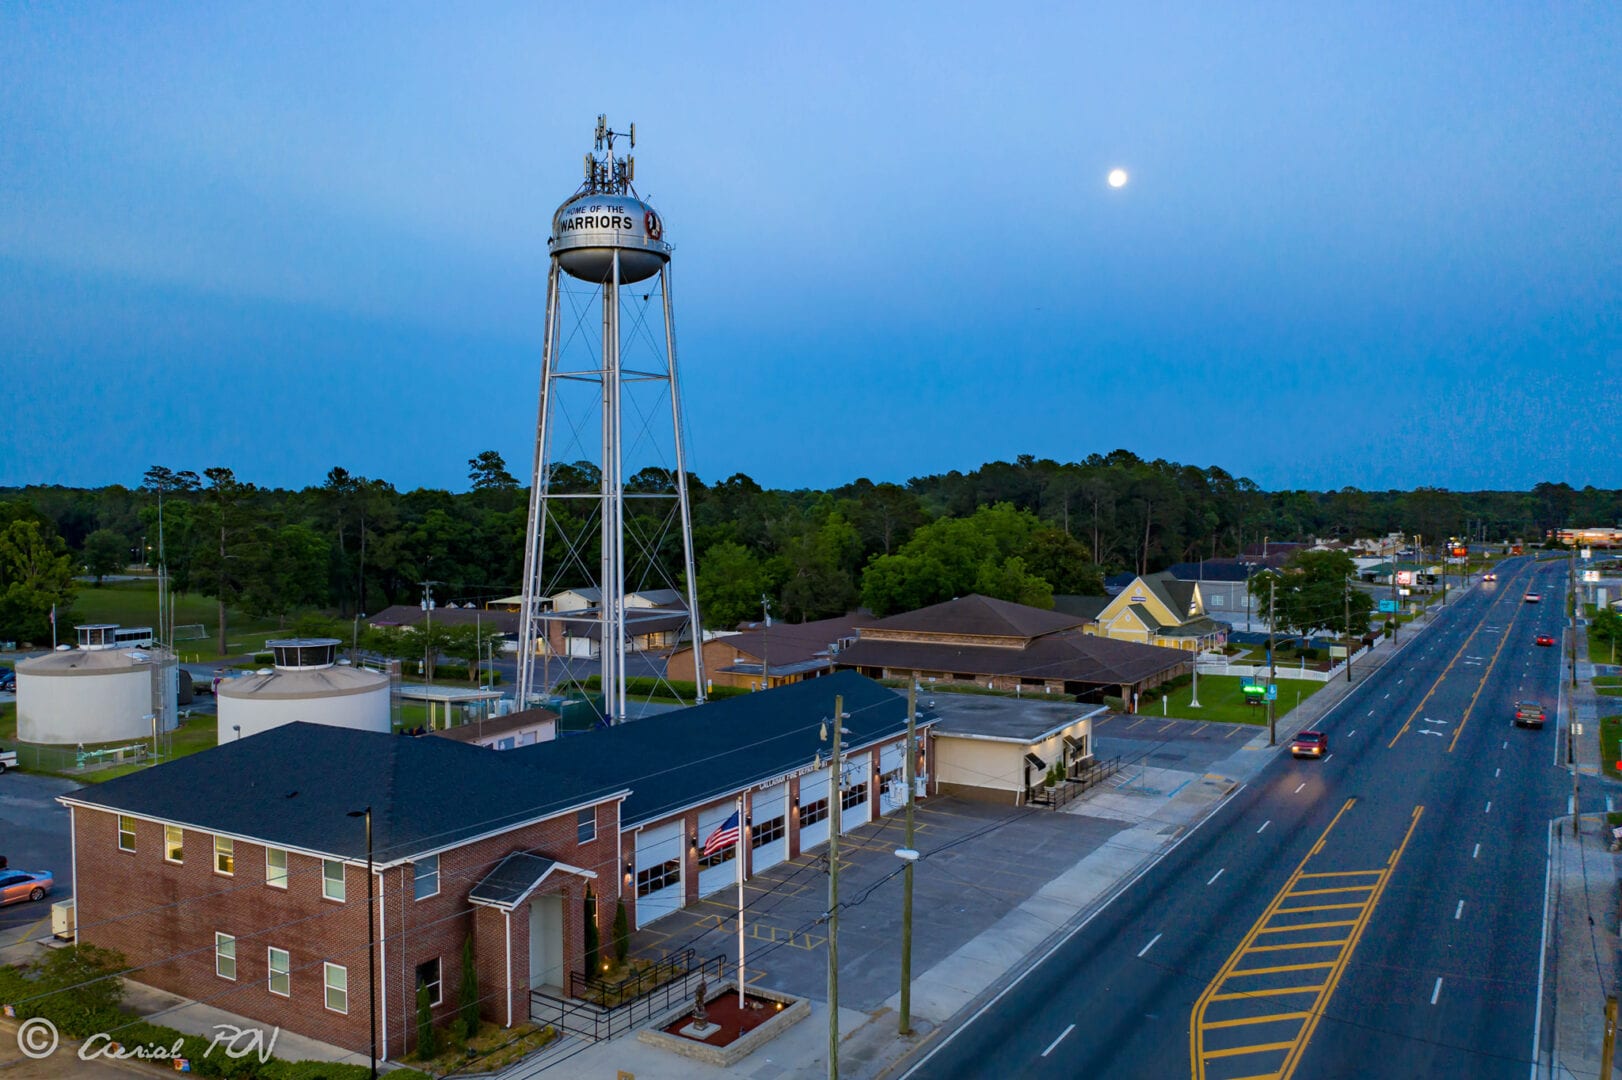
1532, 597
1545, 639
1310, 744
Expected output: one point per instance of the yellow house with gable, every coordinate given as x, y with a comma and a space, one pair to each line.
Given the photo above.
1157, 609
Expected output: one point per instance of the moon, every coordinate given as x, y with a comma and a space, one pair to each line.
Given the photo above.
1117, 178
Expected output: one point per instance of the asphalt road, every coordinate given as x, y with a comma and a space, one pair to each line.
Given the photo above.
1376, 913
34, 836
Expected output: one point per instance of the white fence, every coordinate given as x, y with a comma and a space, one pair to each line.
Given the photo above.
1285, 671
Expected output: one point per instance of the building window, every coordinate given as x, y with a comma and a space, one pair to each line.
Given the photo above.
767, 831
126, 833
1218, 600
281, 979
276, 867
337, 983
225, 956
854, 795
173, 838
332, 882
717, 858
658, 877
585, 826
425, 877
428, 975
225, 860
811, 813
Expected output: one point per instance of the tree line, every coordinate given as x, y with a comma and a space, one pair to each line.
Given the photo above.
1023, 530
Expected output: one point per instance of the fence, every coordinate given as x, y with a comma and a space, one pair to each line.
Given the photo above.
72, 760
667, 983
1069, 789
1284, 671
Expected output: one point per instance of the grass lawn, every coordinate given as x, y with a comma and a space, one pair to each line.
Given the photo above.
1610, 744
135, 603
1600, 651
191, 736
1221, 701
8, 724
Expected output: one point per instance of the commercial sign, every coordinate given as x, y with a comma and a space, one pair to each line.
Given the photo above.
1337, 652
1405, 577
1590, 575
1389, 607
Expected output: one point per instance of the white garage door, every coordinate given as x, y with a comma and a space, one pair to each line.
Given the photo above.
814, 809
856, 796
721, 868
658, 872
892, 781
768, 835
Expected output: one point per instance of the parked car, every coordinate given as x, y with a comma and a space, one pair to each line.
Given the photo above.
1545, 639
8, 760
1528, 714
8, 680
1532, 597
19, 885
1310, 744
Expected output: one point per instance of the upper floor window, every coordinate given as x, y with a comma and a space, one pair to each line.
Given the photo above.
425, 877
332, 879
276, 867
126, 833
225, 860
173, 839
585, 828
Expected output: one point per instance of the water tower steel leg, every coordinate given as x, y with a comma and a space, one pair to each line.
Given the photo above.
619, 506
685, 508
535, 541
605, 488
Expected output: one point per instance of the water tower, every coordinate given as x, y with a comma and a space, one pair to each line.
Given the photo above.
609, 513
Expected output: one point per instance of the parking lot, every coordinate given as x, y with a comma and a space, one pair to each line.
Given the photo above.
34, 836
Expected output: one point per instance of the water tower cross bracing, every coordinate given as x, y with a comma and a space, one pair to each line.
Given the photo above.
609, 516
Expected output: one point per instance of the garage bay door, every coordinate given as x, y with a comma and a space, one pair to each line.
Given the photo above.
813, 809
769, 834
720, 869
658, 872
855, 801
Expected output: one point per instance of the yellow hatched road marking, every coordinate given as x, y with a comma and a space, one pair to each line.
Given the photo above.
1267, 923
1277, 991
1281, 967
1299, 945
1244, 1021
1272, 1017
1327, 892
1307, 926
1235, 1051
1337, 873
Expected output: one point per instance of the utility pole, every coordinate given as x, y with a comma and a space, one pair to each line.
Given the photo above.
1272, 661
766, 644
910, 856
1348, 601
1607, 1049
427, 636
1573, 587
836, 794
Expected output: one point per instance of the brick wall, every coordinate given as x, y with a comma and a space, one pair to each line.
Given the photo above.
163, 916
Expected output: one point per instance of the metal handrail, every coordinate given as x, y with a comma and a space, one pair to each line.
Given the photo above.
1090, 776
596, 1022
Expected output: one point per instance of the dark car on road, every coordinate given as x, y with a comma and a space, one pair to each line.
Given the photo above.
1528, 714
1310, 744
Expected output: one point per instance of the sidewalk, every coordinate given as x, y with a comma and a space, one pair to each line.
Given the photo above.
1583, 900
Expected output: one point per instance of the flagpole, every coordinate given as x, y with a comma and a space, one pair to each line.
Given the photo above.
740, 904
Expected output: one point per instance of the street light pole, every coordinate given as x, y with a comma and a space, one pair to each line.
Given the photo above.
371, 937
910, 856
1272, 661
836, 794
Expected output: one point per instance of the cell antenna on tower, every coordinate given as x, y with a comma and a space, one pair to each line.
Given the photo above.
608, 557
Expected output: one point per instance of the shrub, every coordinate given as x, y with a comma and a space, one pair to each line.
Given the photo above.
264, 658
622, 932
470, 991
427, 1037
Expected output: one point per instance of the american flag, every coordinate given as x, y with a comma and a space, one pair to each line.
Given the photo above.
726, 833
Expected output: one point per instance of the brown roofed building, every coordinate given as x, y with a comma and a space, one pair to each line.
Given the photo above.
976, 640
767, 656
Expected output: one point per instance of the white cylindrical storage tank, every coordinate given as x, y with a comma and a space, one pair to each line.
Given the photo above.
305, 684
97, 693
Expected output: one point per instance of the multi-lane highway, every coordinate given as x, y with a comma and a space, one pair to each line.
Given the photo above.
1377, 913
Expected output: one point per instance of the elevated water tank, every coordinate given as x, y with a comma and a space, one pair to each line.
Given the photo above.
588, 229
99, 692
307, 683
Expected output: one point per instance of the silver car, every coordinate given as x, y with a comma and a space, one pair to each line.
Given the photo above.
19, 885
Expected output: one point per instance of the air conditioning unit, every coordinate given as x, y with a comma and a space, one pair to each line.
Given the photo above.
64, 923
920, 785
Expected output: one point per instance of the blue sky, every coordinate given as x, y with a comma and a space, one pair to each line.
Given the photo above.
1362, 244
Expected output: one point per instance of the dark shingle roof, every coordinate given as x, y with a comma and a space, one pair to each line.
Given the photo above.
513, 879
980, 616
1072, 656
293, 786
683, 758
1087, 607
495, 622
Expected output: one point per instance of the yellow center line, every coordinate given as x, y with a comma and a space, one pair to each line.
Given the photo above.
1439, 679
1482, 685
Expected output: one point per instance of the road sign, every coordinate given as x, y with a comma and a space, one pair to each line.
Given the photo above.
1389, 607
1272, 692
